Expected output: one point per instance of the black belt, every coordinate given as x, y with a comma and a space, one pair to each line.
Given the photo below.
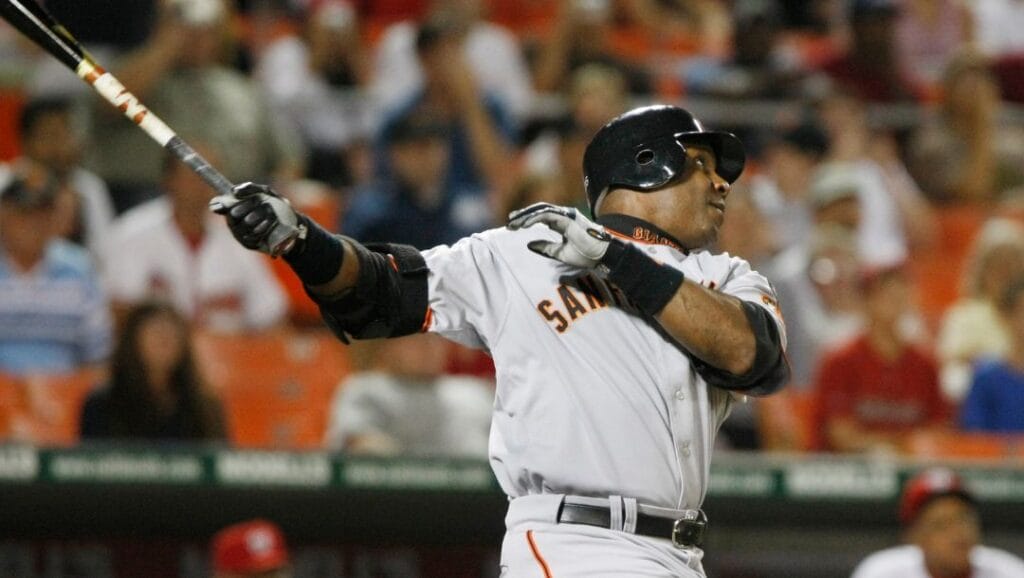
683, 532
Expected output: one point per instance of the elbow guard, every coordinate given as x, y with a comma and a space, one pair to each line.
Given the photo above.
389, 298
770, 371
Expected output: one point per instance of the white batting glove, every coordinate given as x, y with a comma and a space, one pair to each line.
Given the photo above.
584, 243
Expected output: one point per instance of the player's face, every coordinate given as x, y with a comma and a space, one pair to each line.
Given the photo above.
946, 531
693, 209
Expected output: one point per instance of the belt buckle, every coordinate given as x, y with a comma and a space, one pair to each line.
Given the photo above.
689, 530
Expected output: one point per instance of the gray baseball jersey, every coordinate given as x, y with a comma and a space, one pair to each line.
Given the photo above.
593, 399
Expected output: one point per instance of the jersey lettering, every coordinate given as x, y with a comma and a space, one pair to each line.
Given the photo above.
554, 316
579, 297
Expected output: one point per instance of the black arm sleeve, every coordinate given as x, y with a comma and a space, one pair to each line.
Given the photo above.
770, 371
389, 299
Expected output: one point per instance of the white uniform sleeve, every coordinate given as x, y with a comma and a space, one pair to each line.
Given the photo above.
468, 296
733, 276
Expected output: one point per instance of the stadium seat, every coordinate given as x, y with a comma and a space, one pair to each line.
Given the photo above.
786, 420
45, 409
952, 444
937, 272
276, 388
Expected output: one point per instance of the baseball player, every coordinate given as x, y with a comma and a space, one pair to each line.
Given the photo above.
619, 345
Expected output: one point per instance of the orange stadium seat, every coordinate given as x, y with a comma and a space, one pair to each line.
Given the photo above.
937, 272
45, 409
786, 420
9, 395
952, 444
276, 388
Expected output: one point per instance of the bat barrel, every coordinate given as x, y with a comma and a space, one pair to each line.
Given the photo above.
34, 21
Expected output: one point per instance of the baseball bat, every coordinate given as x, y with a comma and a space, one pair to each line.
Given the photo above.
41, 27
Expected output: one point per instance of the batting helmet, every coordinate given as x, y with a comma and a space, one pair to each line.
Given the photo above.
644, 150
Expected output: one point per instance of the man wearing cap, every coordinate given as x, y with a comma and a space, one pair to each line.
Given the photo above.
943, 532
53, 315
250, 549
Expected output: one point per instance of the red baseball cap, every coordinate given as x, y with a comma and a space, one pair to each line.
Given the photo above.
928, 485
252, 546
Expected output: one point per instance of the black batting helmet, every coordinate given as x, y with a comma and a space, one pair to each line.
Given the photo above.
644, 150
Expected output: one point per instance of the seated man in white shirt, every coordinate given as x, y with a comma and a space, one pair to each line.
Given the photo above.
943, 534
173, 248
407, 405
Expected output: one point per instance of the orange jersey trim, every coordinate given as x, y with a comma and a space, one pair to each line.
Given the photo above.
536, 554
428, 320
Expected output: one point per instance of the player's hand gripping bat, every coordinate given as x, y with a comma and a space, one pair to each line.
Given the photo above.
41, 27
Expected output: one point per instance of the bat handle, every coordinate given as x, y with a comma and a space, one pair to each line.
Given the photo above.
225, 198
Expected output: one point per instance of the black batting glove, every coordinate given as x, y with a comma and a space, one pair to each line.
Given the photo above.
260, 219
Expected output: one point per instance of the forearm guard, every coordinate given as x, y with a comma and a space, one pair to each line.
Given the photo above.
389, 298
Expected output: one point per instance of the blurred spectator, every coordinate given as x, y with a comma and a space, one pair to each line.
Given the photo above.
408, 406
997, 26
760, 66
928, 34
155, 390
897, 218
942, 531
481, 132
972, 327
106, 29
963, 153
316, 81
707, 24
174, 248
178, 73
871, 67
416, 203
995, 401
581, 34
596, 94
818, 291
782, 189
489, 54
250, 549
54, 317
51, 138
880, 386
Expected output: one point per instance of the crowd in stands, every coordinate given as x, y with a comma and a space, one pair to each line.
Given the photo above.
884, 198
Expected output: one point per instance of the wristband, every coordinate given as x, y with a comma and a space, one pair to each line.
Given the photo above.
648, 284
317, 258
